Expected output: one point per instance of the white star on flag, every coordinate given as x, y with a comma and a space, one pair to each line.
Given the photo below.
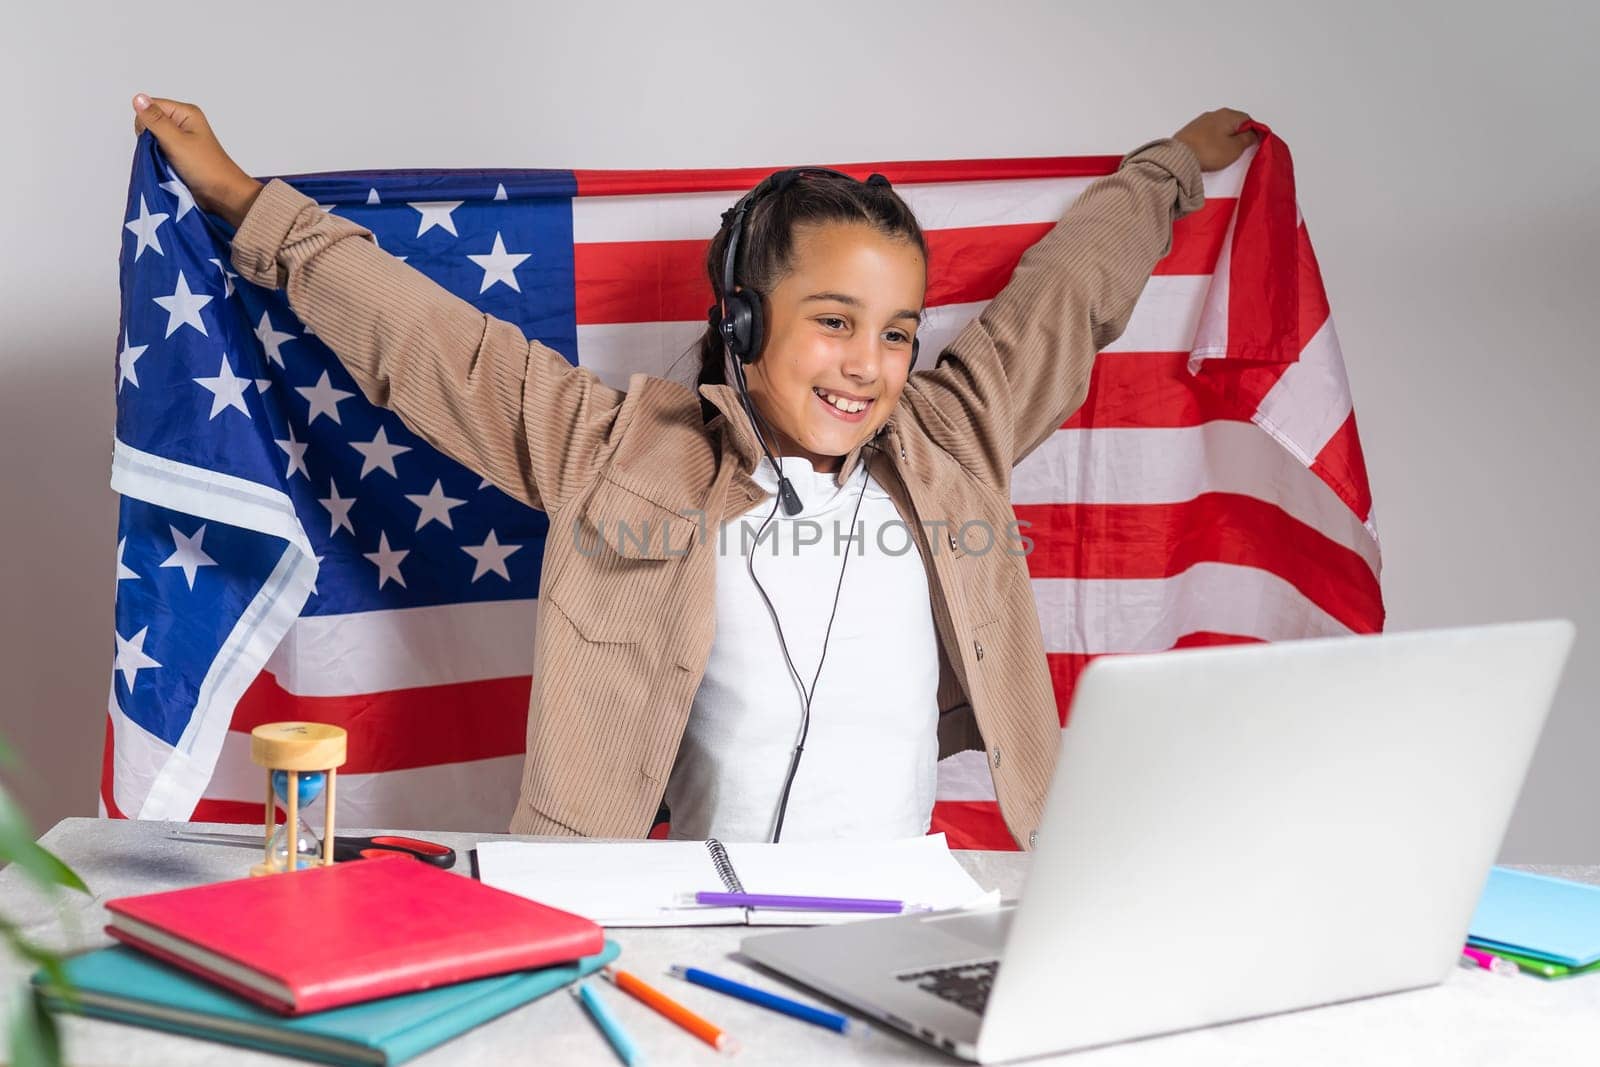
490, 556
436, 213
338, 509
144, 229
499, 265
324, 399
124, 571
500, 191
297, 455
227, 389
183, 307
272, 340
318, 575
372, 197
227, 276
387, 561
435, 506
126, 359
131, 657
189, 554
181, 191
378, 454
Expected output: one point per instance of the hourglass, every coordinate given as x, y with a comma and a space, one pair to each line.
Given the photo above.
301, 759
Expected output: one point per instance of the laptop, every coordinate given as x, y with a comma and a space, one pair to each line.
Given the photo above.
1230, 832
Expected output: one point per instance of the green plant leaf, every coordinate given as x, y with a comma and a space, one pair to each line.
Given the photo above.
18, 846
35, 1040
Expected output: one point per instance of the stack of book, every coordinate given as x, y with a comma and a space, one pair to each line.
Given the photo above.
1546, 926
366, 962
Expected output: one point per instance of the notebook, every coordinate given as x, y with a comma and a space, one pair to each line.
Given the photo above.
127, 986
1542, 968
638, 883
1538, 916
330, 936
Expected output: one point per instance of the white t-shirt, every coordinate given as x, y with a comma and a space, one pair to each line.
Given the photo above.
868, 767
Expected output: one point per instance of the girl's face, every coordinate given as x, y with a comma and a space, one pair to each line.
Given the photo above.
839, 329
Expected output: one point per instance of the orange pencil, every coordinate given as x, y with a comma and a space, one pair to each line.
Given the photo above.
705, 1030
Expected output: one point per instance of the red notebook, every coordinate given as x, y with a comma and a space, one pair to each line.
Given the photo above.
355, 931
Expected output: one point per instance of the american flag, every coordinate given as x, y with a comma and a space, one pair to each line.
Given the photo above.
286, 550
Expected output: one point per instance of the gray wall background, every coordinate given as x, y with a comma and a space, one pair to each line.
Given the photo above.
1447, 164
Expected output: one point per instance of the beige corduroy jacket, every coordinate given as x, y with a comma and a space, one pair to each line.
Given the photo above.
625, 628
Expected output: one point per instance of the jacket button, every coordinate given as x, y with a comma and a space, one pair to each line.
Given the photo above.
997, 755
977, 648
1033, 837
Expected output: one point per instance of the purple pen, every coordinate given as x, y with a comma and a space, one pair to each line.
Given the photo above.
781, 900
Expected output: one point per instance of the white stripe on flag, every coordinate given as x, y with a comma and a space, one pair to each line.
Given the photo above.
206, 494
617, 351
1094, 615
937, 205
1172, 465
1164, 320
252, 640
476, 795
1311, 399
404, 648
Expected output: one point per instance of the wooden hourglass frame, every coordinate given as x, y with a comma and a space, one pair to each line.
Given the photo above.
294, 748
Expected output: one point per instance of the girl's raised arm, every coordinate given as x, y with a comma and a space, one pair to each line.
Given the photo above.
1015, 373
471, 385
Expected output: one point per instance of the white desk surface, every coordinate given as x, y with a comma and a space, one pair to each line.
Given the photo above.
1473, 1018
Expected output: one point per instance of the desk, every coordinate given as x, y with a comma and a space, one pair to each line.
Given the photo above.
1473, 1018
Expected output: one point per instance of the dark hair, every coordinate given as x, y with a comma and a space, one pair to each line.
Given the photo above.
766, 250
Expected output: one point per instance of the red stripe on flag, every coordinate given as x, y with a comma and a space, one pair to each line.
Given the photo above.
1197, 239
664, 281
1313, 297
108, 764
1342, 465
251, 812
1161, 540
967, 264
973, 824
403, 728
640, 281
741, 179
1263, 284
1136, 390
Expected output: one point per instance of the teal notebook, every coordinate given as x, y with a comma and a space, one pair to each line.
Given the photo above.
1535, 915
125, 985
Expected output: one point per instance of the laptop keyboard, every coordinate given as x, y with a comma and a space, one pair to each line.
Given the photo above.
966, 984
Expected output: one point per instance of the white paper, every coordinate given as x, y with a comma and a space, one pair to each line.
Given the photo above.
639, 883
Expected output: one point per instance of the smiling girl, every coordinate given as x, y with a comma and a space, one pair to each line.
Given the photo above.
829, 593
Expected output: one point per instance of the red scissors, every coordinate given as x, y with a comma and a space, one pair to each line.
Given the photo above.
379, 846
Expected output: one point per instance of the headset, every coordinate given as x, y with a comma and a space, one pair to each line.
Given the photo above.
738, 320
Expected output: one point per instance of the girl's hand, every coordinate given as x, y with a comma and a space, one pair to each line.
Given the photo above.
1213, 139
218, 184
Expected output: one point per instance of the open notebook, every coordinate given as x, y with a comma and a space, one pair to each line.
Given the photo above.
639, 883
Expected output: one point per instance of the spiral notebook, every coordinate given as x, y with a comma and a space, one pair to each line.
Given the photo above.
639, 883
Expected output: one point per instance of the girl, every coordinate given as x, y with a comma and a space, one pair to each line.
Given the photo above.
733, 619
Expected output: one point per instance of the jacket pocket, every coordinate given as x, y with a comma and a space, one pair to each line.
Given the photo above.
628, 553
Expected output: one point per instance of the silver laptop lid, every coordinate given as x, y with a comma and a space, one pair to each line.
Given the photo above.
1241, 830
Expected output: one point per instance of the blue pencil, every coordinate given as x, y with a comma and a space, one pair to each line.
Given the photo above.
620, 1041
832, 1020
